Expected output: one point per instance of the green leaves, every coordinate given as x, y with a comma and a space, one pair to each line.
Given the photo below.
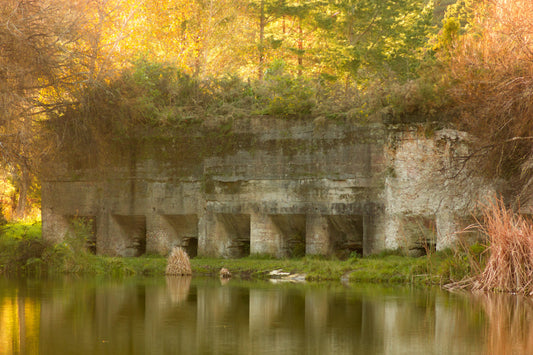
365, 38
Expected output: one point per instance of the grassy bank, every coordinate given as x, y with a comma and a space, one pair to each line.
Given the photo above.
438, 268
22, 251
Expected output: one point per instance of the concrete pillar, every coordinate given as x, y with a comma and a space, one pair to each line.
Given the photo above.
392, 232
158, 237
55, 226
265, 236
369, 235
115, 243
317, 235
102, 231
128, 235
446, 229
202, 234
376, 234
165, 232
211, 243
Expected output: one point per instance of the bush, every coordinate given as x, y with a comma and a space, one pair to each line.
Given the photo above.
178, 263
20, 246
287, 97
509, 265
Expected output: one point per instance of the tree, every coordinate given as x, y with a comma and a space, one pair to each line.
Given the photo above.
488, 53
262, 13
36, 39
365, 38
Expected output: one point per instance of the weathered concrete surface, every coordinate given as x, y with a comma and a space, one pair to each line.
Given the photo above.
431, 192
266, 186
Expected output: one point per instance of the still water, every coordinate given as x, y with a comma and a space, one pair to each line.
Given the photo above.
204, 316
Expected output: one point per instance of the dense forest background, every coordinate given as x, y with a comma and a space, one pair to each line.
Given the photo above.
76, 74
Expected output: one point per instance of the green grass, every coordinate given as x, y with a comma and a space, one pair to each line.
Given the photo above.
259, 267
22, 251
434, 269
391, 268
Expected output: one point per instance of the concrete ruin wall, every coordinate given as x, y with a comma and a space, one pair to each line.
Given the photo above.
261, 186
431, 190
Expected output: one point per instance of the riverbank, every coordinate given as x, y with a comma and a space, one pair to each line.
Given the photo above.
22, 251
437, 268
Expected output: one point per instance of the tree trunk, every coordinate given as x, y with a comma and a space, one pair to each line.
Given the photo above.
20, 211
262, 24
300, 47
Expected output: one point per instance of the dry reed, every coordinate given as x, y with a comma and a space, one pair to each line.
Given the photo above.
178, 263
509, 267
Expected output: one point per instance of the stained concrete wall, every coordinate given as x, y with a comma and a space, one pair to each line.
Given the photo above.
431, 189
263, 186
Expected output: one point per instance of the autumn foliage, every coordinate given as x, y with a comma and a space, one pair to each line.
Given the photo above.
489, 64
61, 59
74, 61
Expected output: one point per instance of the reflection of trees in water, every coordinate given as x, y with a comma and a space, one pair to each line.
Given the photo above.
509, 329
178, 288
19, 325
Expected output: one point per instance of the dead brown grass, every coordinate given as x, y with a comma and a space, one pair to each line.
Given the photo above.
509, 267
178, 263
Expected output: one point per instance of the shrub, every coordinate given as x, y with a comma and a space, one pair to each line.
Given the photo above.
178, 263
20, 246
509, 266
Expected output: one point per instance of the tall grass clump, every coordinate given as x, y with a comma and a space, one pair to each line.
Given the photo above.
509, 267
178, 263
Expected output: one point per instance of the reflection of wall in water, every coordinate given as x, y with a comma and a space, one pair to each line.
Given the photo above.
222, 319
201, 316
168, 304
84, 317
277, 320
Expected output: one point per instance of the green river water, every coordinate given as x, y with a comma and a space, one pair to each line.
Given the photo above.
73, 315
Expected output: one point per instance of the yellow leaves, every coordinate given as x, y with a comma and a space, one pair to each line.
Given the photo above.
501, 34
193, 35
6, 190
